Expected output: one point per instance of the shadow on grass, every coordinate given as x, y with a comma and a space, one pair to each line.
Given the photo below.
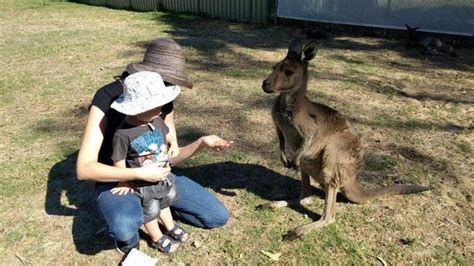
256, 179
422, 92
78, 202
68, 196
215, 42
210, 37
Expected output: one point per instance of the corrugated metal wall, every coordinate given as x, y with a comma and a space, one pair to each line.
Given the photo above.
256, 11
188, 6
144, 5
120, 4
444, 16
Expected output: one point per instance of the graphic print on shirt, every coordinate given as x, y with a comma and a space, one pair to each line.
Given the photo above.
150, 147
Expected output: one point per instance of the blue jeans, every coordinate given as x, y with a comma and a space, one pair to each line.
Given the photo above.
123, 213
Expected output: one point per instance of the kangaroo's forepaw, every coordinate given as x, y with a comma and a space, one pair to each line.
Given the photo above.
291, 165
295, 164
285, 161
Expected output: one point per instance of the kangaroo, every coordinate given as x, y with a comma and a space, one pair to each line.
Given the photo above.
431, 45
324, 145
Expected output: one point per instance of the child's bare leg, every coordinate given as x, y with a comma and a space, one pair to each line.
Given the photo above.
166, 218
153, 230
162, 243
176, 232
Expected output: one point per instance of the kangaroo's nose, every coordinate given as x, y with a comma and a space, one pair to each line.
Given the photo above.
266, 86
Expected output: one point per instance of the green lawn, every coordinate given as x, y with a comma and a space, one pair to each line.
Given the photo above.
416, 113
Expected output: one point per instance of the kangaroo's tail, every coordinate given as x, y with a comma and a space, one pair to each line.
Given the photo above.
358, 194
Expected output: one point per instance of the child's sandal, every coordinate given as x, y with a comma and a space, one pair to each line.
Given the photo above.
178, 234
166, 244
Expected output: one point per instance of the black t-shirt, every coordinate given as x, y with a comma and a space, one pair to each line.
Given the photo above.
103, 98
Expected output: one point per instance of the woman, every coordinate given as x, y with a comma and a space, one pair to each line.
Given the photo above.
123, 213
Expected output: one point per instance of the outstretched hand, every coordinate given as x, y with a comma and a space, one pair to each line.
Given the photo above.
216, 143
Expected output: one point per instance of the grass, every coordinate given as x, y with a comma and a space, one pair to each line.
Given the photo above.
414, 111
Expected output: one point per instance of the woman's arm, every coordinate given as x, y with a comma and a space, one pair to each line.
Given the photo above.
123, 187
88, 167
211, 142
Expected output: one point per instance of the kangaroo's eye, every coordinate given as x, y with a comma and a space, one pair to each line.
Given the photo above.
288, 73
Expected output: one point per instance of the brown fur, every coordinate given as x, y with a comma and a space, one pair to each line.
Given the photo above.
317, 139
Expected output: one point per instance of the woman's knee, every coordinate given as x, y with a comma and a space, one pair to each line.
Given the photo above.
219, 217
215, 215
122, 214
197, 206
124, 228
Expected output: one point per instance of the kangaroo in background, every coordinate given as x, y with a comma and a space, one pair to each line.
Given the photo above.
325, 146
431, 45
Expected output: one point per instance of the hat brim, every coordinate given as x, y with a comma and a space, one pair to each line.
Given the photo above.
177, 80
128, 107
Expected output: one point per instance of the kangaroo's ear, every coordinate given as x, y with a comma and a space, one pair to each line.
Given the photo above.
309, 51
295, 49
408, 27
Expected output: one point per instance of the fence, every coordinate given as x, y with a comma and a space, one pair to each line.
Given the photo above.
255, 11
443, 16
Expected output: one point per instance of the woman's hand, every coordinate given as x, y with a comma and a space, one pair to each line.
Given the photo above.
216, 143
153, 172
122, 188
212, 142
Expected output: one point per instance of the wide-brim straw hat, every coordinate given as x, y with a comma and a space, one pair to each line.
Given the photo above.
144, 91
166, 57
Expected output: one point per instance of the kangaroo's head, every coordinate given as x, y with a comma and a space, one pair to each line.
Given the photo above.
290, 73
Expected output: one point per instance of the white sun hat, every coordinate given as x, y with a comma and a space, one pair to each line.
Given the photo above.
143, 91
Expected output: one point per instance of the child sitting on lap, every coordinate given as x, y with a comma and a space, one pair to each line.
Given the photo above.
143, 139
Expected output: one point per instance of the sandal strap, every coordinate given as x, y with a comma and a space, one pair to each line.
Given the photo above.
182, 236
165, 249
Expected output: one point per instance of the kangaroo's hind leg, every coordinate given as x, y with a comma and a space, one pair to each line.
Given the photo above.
304, 199
327, 218
305, 192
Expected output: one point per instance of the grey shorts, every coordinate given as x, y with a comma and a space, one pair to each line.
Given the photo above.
157, 196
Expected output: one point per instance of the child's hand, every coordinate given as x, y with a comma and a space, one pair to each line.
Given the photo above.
153, 172
122, 188
173, 150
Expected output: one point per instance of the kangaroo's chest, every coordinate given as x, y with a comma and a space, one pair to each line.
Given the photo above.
283, 120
